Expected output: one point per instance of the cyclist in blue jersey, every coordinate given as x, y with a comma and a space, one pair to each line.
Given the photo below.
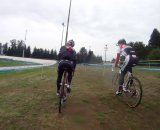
127, 53
67, 60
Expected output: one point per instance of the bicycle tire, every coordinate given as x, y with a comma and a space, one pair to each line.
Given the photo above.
134, 96
61, 95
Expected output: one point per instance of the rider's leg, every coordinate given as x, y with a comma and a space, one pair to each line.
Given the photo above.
121, 79
69, 78
124, 69
130, 69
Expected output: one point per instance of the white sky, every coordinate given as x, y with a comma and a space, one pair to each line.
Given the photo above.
93, 23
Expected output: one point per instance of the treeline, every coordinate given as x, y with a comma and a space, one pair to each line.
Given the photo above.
84, 56
151, 51
18, 48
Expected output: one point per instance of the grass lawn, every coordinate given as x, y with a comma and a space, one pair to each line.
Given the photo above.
28, 101
8, 62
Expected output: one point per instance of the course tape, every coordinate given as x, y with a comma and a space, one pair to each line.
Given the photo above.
109, 64
9, 69
147, 63
149, 68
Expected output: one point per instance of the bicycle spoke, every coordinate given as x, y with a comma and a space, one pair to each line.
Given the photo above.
61, 93
134, 94
115, 81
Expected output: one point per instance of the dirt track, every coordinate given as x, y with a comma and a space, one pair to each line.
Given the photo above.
41, 63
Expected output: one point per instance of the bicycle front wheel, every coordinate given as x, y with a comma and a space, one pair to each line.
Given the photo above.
115, 82
134, 93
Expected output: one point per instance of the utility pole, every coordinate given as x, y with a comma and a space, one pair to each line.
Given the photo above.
62, 34
68, 21
24, 43
105, 49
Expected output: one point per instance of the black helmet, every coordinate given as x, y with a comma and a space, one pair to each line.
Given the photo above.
121, 41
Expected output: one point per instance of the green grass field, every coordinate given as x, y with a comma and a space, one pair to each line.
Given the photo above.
8, 62
28, 101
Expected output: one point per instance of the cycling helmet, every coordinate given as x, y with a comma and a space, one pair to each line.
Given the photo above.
121, 41
71, 43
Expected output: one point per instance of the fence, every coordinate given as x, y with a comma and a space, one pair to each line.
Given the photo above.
149, 63
143, 64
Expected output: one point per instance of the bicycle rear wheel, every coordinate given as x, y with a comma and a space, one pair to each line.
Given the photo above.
134, 93
61, 95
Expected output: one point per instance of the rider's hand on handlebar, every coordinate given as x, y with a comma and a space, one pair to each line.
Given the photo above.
114, 65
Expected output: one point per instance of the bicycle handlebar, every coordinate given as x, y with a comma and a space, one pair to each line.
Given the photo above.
114, 67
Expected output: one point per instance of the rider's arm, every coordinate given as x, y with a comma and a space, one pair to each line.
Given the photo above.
59, 56
117, 59
60, 52
74, 61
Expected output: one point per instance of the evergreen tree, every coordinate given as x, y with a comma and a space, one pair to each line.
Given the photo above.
52, 54
34, 53
89, 56
55, 57
82, 55
1, 48
9, 52
13, 47
28, 52
20, 48
154, 41
5, 48
99, 59
131, 44
140, 50
154, 54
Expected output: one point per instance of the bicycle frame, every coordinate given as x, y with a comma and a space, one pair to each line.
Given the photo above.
129, 80
129, 77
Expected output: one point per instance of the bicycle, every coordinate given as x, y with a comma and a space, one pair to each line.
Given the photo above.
63, 90
131, 87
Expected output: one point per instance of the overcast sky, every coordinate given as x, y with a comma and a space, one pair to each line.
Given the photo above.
93, 23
